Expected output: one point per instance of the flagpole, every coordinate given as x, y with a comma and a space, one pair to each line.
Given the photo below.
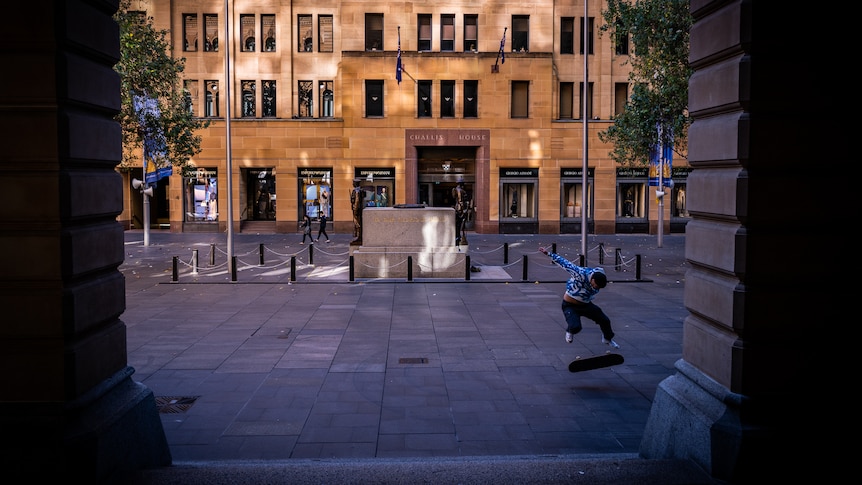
228, 162
584, 168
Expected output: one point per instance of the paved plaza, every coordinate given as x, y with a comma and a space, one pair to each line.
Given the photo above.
291, 362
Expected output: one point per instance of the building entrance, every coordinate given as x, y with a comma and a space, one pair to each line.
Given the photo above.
440, 169
259, 194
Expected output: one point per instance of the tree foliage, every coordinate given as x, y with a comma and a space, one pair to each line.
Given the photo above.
659, 32
147, 69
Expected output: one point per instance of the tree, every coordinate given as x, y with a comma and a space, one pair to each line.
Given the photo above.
659, 31
154, 105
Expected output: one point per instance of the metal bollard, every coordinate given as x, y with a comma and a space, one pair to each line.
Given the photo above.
582, 261
175, 275
601, 253
638, 267
233, 268
467, 269
351, 278
212, 254
311, 254
505, 253
293, 268
194, 261
261, 253
409, 268
554, 247
526, 265
618, 259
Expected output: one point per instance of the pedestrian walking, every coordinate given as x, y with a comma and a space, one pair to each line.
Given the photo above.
306, 229
582, 286
322, 229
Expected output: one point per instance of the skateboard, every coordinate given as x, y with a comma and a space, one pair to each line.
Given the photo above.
596, 362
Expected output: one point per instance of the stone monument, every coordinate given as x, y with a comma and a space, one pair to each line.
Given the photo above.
426, 234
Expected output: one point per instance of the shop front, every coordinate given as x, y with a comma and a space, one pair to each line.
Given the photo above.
519, 200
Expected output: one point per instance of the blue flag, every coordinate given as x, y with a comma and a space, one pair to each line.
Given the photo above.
502, 48
398, 60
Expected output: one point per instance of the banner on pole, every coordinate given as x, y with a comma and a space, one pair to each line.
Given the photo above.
156, 163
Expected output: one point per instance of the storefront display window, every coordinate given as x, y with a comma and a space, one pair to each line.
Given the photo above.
632, 193
519, 199
631, 198
316, 194
200, 195
677, 201
378, 185
571, 198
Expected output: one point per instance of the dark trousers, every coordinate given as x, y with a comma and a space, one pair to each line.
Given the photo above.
573, 313
322, 230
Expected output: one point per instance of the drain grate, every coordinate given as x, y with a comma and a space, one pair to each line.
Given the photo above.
173, 405
413, 360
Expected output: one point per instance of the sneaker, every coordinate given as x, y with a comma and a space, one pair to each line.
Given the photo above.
610, 342
327, 240
302, 243
569, 337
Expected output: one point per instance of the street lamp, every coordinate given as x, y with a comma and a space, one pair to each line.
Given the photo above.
147, 192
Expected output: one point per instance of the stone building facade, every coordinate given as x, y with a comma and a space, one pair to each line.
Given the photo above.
490, 94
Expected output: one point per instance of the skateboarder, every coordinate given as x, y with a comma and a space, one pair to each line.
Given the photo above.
583, 285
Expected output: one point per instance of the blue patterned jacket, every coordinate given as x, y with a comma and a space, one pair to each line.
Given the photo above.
578, 286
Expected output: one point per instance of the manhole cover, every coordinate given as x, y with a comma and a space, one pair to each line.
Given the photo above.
172, 405
413, 360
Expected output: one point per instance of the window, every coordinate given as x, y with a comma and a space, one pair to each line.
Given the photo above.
374, 33
447, 32
423, 108
306, 99
567, 35
267, 30
326, 99
567, 101
190, 32
246, 33
520, 99
621, 96
211, 23
447, 99
572, 193
677, 200
621, 40
589, 100
249, 98
589, 35
471, 32
324, 33
211, 102
269, 99
200, 195
373, 98
315, 191
192, 95
518, 198
303, 29
471, 103
631, 199
520, 33
424, 22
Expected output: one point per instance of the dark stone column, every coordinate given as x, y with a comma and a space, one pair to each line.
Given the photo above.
767, 160
69, 405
